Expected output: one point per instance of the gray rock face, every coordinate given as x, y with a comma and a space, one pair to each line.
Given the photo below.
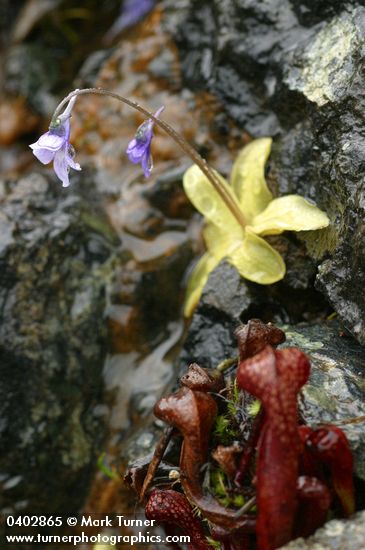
55, 250
335, 535
294, 69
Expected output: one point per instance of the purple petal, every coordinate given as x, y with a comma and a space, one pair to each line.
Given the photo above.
147, 164
44, 155
67, 112
131, 145
143, 136
158, 112
70, 154
133, 11
50, 141
73, 164
136, 153
60, 166
139, 148
67, 128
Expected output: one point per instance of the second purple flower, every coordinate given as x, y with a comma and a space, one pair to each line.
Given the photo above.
139, 148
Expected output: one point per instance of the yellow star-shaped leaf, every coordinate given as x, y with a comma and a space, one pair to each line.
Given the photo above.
225, 237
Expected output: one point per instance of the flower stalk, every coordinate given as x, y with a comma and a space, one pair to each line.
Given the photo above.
184, 145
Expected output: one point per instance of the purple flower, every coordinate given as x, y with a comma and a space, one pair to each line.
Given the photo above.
139, 149
132, 12
54, 145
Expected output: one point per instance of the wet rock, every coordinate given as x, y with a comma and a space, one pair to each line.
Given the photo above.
335, 535
56, 254
227, 47
146, 292
295, 69
168, 195
139, 380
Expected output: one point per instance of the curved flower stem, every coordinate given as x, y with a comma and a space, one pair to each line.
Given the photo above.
185, 146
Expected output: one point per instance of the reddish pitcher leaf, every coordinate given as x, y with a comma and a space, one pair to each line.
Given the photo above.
193, 413
168, 506
275, 377
329, 445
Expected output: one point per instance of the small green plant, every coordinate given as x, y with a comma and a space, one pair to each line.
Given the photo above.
254, 408
105, 469
224, 431
226, 428
219, 487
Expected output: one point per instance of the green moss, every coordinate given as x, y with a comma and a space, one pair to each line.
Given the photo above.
226, 429
224, 432
220, 488
254, 408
